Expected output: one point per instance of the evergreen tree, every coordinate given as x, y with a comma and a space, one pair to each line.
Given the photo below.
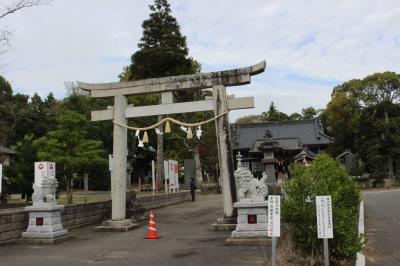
5, 90
162, 49
309, 113
364, 116
20, 172
162, 52
14, 111
273, 114
69, 147
5, 96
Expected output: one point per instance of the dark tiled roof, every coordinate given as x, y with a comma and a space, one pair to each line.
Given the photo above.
308, 132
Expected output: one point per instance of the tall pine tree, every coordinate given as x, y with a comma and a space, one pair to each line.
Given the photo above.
162, 52
162, 49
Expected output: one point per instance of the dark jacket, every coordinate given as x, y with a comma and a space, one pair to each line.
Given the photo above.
192, 185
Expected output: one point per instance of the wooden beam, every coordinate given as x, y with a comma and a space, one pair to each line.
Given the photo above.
232, 77
240, 103
174, 108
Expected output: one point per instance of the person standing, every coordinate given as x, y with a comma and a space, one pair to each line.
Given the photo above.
192, 189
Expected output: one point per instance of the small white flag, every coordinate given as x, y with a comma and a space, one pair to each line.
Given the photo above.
184, 129
141, 145
158, 132
199, 132
137, 133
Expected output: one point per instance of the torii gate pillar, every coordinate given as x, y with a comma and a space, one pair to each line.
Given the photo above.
118, 173
225, 151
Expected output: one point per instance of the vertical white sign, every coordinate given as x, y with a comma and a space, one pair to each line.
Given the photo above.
1, 177
166, 170
153, 176
166, 175
173, 174
324, 216
51, 170
110, 162
176, 170
43, 169
274, 216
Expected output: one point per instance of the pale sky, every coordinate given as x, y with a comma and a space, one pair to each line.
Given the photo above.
310, 45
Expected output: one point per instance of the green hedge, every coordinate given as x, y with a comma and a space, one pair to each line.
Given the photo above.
324, 176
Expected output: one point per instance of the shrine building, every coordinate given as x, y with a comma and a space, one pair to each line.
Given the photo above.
279, 143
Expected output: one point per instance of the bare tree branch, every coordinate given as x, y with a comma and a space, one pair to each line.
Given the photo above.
11, 8
16, 112
18, 5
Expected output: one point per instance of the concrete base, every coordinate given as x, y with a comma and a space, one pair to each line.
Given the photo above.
44, 241
117, 226
45, 225
248, 242
45, 235
256, 210
249, 234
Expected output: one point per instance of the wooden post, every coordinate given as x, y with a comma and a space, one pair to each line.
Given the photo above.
153, 178
86, 185
118, 174
326, 252
225, 151
273, 256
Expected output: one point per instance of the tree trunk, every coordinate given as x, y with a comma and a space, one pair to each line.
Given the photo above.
390, 166
389, 156
197, 164
160, 157
69, 190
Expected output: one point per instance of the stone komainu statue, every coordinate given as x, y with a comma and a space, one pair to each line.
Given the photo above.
249, 187
46, 192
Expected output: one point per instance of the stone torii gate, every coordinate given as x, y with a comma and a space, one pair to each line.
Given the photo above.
220, 104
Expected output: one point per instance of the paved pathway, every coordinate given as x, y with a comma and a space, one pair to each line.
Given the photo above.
187, 239
382, 227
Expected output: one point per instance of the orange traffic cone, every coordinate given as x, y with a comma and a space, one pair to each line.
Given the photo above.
152, 232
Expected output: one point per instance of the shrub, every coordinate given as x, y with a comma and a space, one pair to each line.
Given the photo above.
324, 176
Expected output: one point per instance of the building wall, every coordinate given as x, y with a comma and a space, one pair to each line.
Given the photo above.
15, 221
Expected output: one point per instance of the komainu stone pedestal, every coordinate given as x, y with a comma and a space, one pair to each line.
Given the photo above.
252, 224
252, 220
45, 225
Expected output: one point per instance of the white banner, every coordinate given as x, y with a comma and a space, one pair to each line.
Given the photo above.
43, 169
173, 174
274, 216
324, 216
1, 177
